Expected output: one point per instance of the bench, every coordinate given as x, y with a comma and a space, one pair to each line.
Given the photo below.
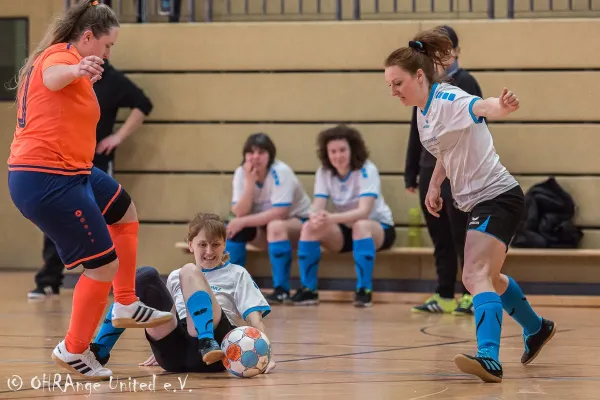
425, 251
551, 267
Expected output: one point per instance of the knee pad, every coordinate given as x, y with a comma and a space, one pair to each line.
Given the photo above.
118, 209
245, 235
151, 289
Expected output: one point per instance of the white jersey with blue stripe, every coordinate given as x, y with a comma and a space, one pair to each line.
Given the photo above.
345, 193
463, 143
281, 188
235, 290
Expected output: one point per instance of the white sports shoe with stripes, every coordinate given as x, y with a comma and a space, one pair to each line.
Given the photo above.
84, 364
138, 315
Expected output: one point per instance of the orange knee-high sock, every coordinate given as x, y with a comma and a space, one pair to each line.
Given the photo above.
125, 238
89, 299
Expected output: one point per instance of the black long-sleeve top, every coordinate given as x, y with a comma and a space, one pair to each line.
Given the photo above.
416, 155
116, 91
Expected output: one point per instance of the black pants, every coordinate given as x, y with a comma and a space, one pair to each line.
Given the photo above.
51, 273
448, 234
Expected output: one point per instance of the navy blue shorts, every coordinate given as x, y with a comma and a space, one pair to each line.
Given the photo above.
70, 210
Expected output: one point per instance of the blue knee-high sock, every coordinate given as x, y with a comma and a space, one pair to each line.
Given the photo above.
199, 308
107, 335
237, 252
364, 261
280, 254
516, 305
309, 255
488, 322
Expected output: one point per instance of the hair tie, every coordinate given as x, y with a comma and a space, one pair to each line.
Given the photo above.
417, 46
94, 3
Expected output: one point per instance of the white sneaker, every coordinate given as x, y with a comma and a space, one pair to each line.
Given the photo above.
81, 364
138, 315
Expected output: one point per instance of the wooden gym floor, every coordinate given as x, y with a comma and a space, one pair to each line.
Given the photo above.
332, 351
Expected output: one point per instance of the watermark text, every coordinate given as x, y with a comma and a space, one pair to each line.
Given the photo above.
65, 383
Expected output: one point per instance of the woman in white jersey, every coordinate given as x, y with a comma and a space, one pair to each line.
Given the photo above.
452, 128
269, 205
209, 298
362, 222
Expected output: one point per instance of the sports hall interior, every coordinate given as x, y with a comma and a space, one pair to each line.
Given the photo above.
290, 75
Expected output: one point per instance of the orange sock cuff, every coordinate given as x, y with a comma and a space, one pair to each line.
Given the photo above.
127, 228
89, 300
125, 238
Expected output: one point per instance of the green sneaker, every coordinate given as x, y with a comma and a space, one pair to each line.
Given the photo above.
436, 304
465, 305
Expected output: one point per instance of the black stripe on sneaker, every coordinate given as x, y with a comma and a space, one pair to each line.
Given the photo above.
142, 314
150, 312
136, 312
76, 363
80, 366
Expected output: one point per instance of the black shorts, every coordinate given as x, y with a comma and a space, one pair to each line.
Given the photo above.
389, 237
500, 216
178, 351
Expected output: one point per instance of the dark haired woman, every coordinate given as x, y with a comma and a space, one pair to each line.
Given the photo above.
269, 204
452, 128
362, 222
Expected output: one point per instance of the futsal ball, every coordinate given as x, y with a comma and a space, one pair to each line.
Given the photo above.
247, 351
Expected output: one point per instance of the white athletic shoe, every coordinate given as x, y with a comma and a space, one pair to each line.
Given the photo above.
81, 364
138, 315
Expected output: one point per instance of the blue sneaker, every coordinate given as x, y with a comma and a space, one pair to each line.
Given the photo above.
485, 368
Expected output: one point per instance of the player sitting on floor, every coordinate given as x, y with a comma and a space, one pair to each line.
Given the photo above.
212, 283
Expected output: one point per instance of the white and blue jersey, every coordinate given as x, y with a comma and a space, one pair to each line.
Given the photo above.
462, 142
345, 193
235, 290
281, 188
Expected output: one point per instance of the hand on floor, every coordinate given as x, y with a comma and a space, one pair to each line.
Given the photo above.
270, 367
150, 362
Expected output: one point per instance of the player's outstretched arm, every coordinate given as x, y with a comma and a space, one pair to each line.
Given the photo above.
497, 107
59, 76
254, 319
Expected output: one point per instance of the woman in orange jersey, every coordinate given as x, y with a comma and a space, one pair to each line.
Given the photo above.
53, 183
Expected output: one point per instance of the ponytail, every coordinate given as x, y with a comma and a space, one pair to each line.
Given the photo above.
428, 50
83, 15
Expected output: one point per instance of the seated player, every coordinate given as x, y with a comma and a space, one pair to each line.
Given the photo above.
269, 204
210, 297
362, 221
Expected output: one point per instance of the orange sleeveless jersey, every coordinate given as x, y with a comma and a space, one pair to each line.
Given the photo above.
56, 131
